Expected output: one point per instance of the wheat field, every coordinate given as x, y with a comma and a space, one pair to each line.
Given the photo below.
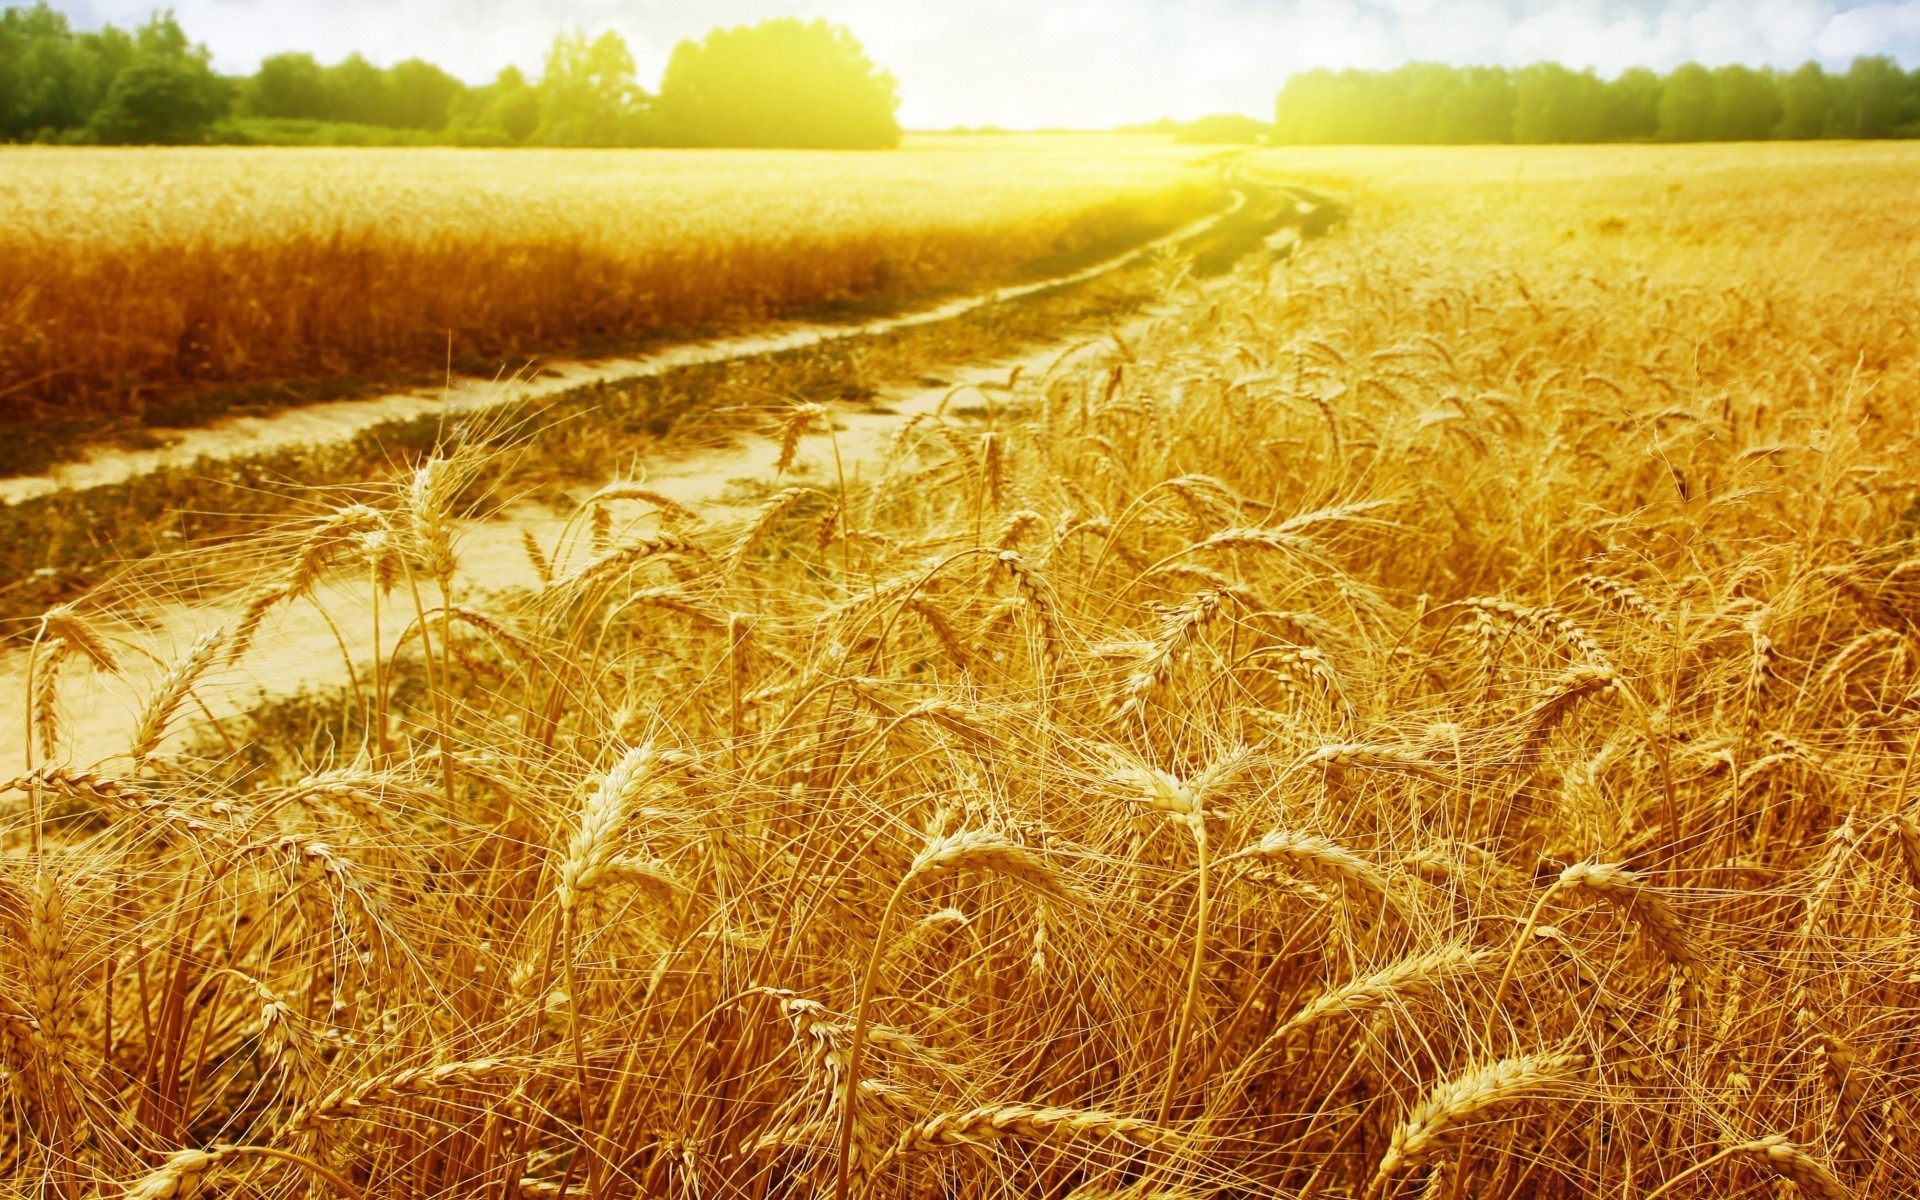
128, 276
1435, 716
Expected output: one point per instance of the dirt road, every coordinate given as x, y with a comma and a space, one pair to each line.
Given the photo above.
316, 642
340, 420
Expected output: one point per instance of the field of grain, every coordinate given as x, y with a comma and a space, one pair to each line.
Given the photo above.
1432, 716
130, 275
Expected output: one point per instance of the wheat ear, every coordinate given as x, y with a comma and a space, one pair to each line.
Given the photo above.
764, 519
591, 847
1644, 907
1464, 1098
799, 422
397, 1087
49, 966
1027, 1122
43, 707
625, 555
179, 1177
1409, 977
1311, 852
986, 850
176, 1179
173, 688
1040, 599
979, 849
536, 557
63, 621
670, 509
1177, 629
1779, 1155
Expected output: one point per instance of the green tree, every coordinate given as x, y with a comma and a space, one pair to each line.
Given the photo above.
50, 78
782, 83
1417, 95
1553, 104
356, 91
288, 85
1220, 129
1631, 111
508, 105
1746, 105
1479, 110
166, 93
1871, 96
588, 95
1686, 105
158, 100
1309, 109
1410, 105
419, 95
59, 88
1806, 103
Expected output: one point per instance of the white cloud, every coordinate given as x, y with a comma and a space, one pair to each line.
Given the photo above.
1071, 62
1868, 29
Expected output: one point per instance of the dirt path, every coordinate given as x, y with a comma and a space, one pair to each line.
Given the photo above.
308, 645
311, 644
339, 420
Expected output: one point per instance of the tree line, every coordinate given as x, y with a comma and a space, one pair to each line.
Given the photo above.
1431, 103
782, 83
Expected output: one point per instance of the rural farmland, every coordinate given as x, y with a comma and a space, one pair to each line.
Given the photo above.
1024, 665
236, 277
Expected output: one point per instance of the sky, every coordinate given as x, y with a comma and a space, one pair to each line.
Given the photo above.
1081, 63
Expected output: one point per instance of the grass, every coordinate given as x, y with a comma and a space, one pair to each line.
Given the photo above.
1432, 717
148, 286
285, 131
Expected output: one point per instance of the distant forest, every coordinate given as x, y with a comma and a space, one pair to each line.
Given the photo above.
782, 82
1430, 103
787, 82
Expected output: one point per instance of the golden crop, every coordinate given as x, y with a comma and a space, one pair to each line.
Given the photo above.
129, 272
1433, 717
